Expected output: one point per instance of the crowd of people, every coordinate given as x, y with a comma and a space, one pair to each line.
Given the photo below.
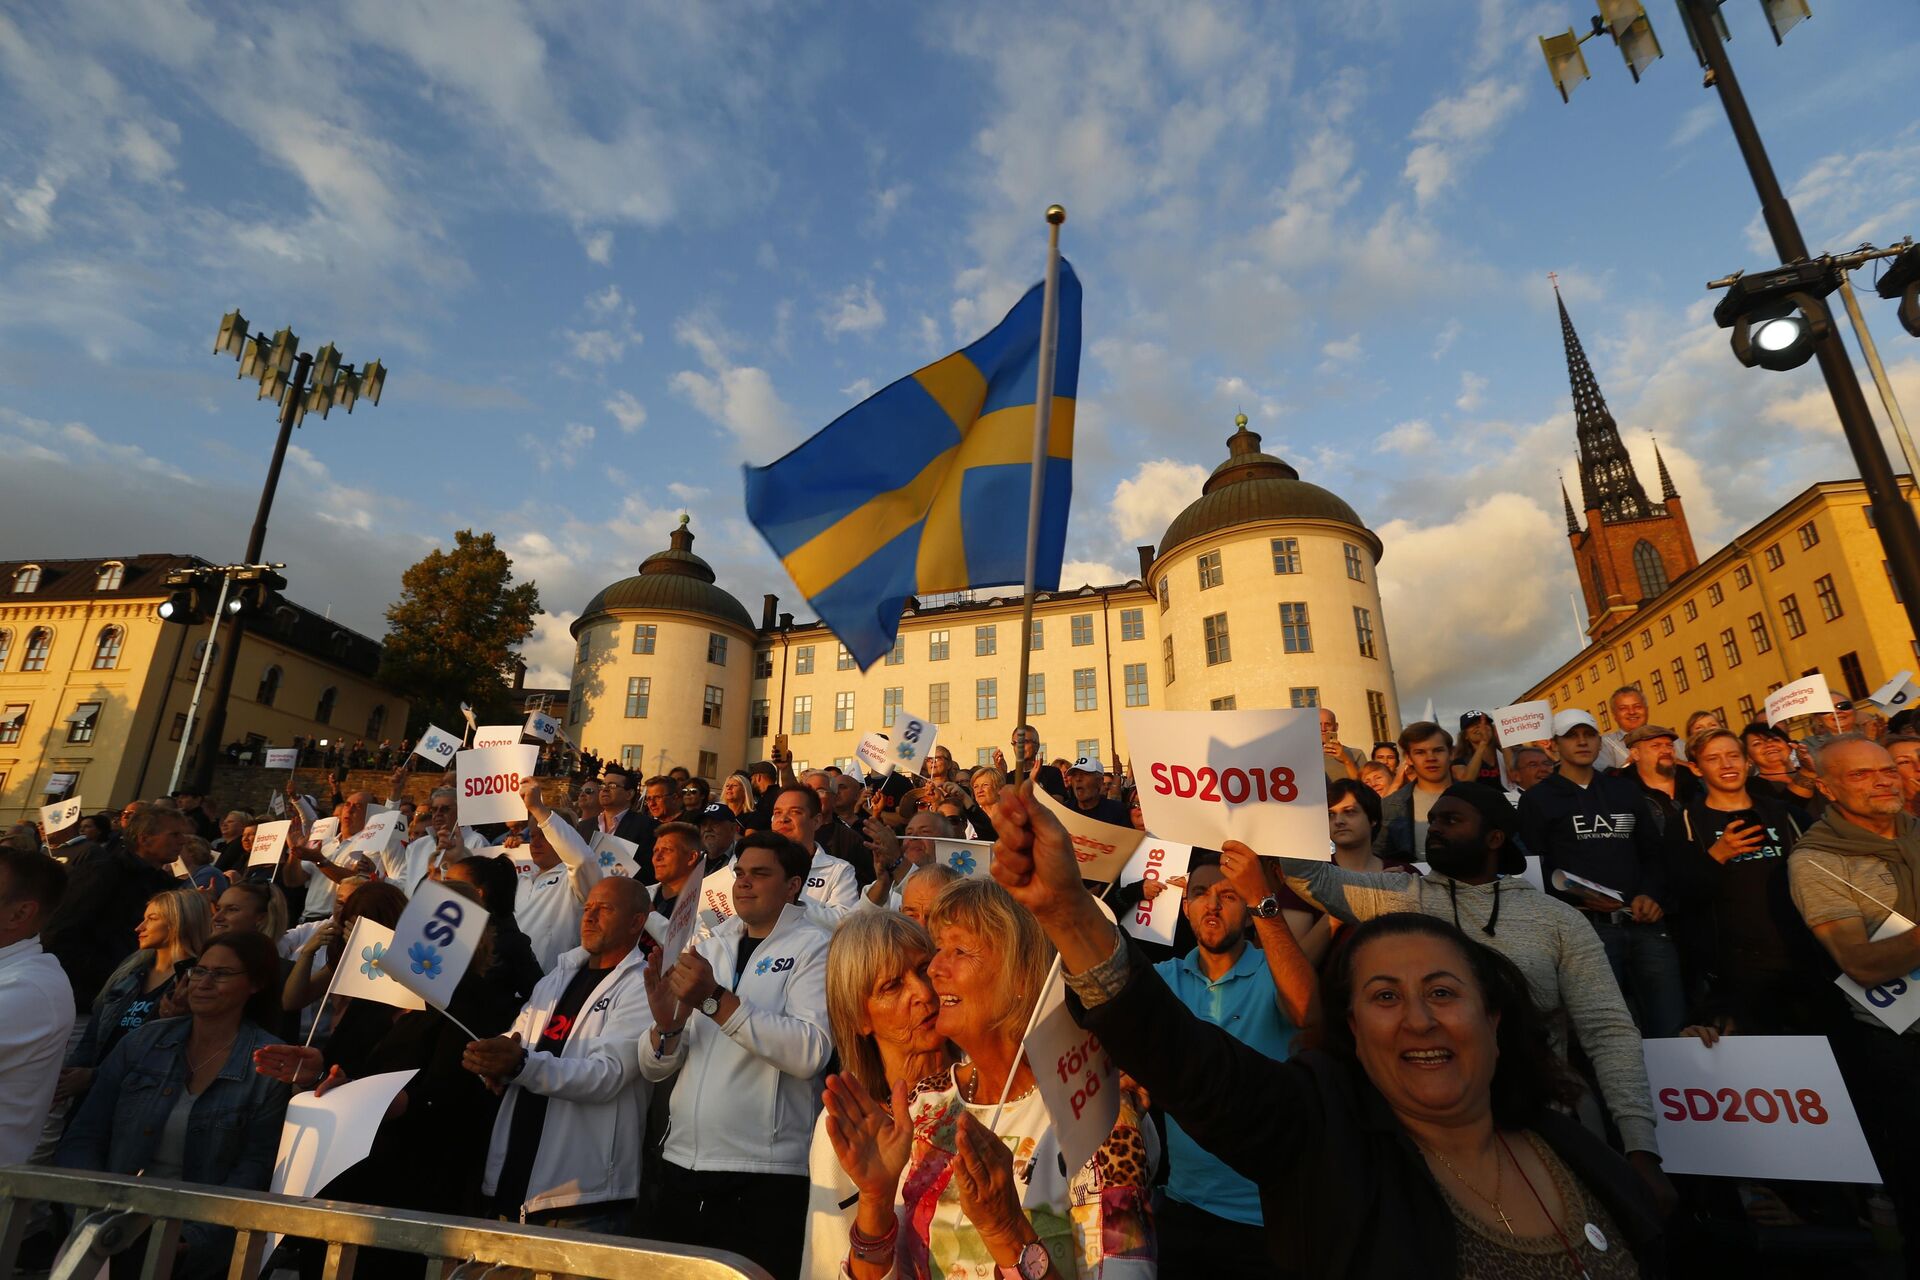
1418, 1055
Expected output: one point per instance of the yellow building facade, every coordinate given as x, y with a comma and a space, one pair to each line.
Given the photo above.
1804, 590
94, 686
1262, 593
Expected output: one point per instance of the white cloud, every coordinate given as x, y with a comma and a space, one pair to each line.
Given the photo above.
1454, 131
598, 246
1147, 501
145, 146
627, 411
688, 493
598, 346
330, 500
855, 309
76, 444
607, 302
1412, 436
550, 650
32, 207
1448, 335
740, 398
559, 449
886, 202
1471, 387
1092, 573
1342, 350
857, 390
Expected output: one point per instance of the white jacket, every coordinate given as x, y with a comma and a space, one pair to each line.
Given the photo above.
36, 1019
597, 1098
832, 891
413, 863
547, 904
747, 1100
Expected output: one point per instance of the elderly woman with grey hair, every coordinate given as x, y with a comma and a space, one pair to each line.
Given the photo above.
882, 1010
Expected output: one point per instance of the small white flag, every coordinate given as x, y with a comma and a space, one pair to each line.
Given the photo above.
970, 858
434, 942
276, 804
269, 838
358, 972
496, 735
1076, 1077
541, 726
912, 742
55, 818
437, 745
283, 757
617, 857
466, 709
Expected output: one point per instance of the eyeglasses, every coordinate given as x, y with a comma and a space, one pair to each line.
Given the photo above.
689, 791
441, 808
200, 973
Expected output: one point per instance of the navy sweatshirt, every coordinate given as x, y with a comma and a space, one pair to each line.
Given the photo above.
1601, 832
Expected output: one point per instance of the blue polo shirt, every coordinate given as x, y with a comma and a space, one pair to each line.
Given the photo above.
1244, 1004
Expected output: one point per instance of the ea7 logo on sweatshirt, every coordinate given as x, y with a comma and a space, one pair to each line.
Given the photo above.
1603, 826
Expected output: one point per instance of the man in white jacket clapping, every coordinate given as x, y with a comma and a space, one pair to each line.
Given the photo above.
566, 1140
745, 1012
547, 904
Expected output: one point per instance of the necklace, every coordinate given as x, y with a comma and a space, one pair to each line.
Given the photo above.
1592, 1231
970, 1087
1492, 1200
194, 1068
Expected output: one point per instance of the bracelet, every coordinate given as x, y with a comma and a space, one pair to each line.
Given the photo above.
872, 1248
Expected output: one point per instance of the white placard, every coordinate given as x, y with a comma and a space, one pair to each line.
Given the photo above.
357, 969
1077, 1078
972, 859
276, 804
283, 757
321, 830
489, 783
1101, 847
1258, 777
1896, 1003
683, 921
1155, 919
617, 857
437, 745
875, 754
541, 726
1567, 882
496, 735
1523, 722
323, 1137
371, 840
269, 838
434, 941
1896, 694
1756, 1107
912, 742
1806, 696
716, 898
55, 818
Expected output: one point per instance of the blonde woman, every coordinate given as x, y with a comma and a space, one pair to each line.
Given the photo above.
148, 985
882, 1009
980, 1202
737, 794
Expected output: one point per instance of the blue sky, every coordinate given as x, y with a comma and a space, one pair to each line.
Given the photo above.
609, 252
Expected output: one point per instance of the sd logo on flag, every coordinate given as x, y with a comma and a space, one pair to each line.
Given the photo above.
434, 941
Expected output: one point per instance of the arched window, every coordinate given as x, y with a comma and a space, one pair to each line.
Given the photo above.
26, 580
1652, 572
39, 645
269, 687
106, 650
324, 712
111, 575
377, 721
6, 647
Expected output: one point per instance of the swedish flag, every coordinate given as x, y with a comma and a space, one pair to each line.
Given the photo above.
923, 486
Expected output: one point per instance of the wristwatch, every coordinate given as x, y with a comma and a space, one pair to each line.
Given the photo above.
1033, 1263
1267, 908
711, 1005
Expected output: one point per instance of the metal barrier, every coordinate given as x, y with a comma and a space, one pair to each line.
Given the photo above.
125, 1209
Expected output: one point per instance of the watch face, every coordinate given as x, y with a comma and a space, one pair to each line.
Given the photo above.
1034, 1261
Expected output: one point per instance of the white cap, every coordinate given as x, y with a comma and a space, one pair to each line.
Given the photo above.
1569, 720
1087, 764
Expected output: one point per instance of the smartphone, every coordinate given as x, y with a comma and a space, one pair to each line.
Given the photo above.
780, 744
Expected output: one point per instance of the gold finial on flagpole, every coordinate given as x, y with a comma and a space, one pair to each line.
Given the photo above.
1056, 214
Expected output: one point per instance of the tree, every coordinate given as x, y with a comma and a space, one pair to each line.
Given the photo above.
454, 629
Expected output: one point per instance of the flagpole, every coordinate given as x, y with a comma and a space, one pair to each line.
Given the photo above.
1033, 1020
1042, 421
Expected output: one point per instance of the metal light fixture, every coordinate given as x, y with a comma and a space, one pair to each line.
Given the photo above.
1565, 61
373, 379
1777, 317
1902, 281
1784, 15
1626, 21
233, 336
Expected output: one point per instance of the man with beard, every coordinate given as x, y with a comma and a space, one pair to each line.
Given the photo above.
1665, 786
1226, 982
1475, 882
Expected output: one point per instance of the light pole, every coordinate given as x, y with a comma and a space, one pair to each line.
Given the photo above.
1893, 519
302, 383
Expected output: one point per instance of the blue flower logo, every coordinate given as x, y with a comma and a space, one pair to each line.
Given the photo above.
370, 960
426, 959
606, 858
765, 964
961, 861
904, 751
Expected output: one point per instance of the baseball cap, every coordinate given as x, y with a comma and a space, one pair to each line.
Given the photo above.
1087, 764
1473, 717
718, 813
1572, 718
1497, 813
1647, 731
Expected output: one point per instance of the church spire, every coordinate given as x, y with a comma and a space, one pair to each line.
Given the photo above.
1607, 478
1573, 522
1667, 491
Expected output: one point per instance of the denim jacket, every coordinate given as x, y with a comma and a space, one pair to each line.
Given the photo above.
232, 1136
122, 987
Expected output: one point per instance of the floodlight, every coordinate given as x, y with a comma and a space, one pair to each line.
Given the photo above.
1784, 15
253, 357
1902, 281
232, 339
285, 347
1565, 62
1777, 317
1627, 22
373, 379
184, 606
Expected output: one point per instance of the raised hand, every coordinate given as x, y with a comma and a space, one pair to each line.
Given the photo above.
1033, 858
660, 997
534, 799
871, 1142
983, 1175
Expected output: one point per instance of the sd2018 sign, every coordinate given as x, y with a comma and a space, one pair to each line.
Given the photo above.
1212, 776
488, 783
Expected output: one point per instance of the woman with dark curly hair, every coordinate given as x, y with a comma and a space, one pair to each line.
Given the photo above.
1422, 1136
